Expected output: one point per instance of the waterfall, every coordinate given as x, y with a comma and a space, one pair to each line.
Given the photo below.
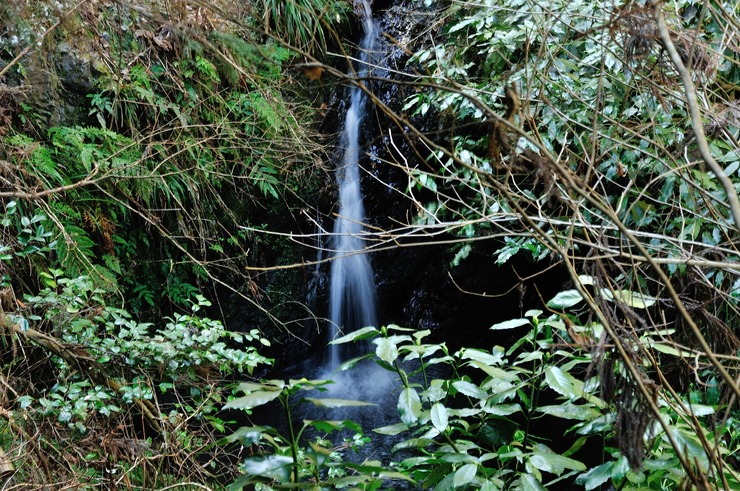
352, 287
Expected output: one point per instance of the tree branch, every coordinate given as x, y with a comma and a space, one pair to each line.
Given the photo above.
695, 114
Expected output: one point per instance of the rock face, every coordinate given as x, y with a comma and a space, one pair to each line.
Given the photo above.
56, 71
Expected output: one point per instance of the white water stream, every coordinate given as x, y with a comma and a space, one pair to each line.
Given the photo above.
352, 286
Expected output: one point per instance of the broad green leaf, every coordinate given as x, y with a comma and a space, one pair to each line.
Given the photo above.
464, 475
565, 299
415, 352
253, 400
496, 432
374, 467
412, 443
529, 483
436, 391
634, 299
510, 324
596, 476
667, 349
354, 335
274, 466
329, 402
346, 481
581, 412
246, 435
350, 364
386, 349
496, 373
621, 468
305, 384
318, 454
439, 416
701, 409
563, 383
325, 426
419, 335
469, 389
392, 429
394, 475
457, 457
555, 463
489, 486
460, 25
482, 356
501, 409
690, 445
409, 405
395, 327
586, 279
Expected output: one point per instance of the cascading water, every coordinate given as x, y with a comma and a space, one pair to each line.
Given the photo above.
352, 286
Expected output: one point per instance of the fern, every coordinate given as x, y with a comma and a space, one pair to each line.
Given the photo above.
271, 121
207, 69
75, 250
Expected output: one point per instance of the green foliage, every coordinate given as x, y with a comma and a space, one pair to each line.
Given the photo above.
594, 164
580, 94
168, 356
303, 23
294, 457
476, 419
479, 427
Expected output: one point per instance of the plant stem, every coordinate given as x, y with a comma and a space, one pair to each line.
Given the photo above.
293, 443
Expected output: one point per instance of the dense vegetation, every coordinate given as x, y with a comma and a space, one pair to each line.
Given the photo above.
153, 151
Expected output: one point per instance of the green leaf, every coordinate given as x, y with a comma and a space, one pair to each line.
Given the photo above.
247, 435
273, 466
634, 299
565, 299
563, 383
458, 457
489, 486
583, 412
419, 335
331, 403
482, 356
510, 324
409, 405
358, 334
555, 463
464, 475
496, 373
501, 409
392, 429
318, 454
439, 416
253, 400
412, 443
529, 483
386, 349
248, 387
586, 280
596, 476
325, 426
690, 445
701, 410
667, 349
469, 389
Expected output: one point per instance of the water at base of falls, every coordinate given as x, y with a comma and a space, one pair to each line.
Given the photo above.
352, 295
352, 286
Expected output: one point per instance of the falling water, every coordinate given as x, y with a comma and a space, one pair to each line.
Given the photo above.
352, 288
